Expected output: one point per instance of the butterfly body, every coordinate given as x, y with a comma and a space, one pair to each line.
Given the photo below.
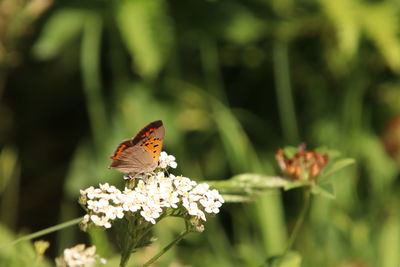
140, 153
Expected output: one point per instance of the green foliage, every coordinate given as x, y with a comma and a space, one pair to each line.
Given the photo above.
233, 81
22, 254
147, 31
63, 27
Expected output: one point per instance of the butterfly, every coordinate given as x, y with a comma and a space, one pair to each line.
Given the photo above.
140, 153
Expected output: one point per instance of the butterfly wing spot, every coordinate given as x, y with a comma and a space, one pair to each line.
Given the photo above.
119, 151
148, 132
153, 146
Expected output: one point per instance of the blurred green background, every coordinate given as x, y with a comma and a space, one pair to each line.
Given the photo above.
233, 81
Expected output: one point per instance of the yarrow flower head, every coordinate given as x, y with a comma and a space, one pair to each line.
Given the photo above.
150, 199
146, 199
79, 256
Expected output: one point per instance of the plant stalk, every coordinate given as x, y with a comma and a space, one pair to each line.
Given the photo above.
300, 219
298, 224
45, 231
166, 248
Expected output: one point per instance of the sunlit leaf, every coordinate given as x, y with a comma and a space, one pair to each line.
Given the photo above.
243, 27
239, 149
258, 180
344, 16
336, 166
380, 22
147, 32
290, 151
240, 187
63, 27
291, 259
389, 241
8, 166
325, 190
21, 254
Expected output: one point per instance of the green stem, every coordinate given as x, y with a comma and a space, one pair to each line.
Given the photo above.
132, 243
300, 220
212, 73
91, 75
298, 224
127, 253
45, 231
284, 95
166, 248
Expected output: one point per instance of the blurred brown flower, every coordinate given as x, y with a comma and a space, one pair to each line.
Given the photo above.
391, 138
304, 165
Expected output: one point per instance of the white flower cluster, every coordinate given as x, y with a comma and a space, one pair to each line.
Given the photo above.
79, 256
150, 197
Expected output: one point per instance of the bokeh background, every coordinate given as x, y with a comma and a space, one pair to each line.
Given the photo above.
233, 81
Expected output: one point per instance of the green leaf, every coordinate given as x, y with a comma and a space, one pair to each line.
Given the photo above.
244, 27
98, 237
326, 190
8, 166
290, 259
380, 22
147, 32
247, 182
231, 198
18, 254
344, 17
389, 241
336, 166
260, 180
242, 187
290, 151
61, 29
240, 151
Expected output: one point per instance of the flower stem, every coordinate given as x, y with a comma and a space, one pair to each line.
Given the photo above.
126, 254
300, 219
298, 224
166, 248
45, 231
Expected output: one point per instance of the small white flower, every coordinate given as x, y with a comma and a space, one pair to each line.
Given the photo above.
210, 206
104, 187
84, 222
194, 210
183, 184
150, 213
201, 189
100, 221
112, 212
79, 256
171, 200
165, 160
131, 200
86, 219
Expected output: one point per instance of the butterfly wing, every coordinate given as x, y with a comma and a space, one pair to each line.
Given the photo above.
134, 159
140, 154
